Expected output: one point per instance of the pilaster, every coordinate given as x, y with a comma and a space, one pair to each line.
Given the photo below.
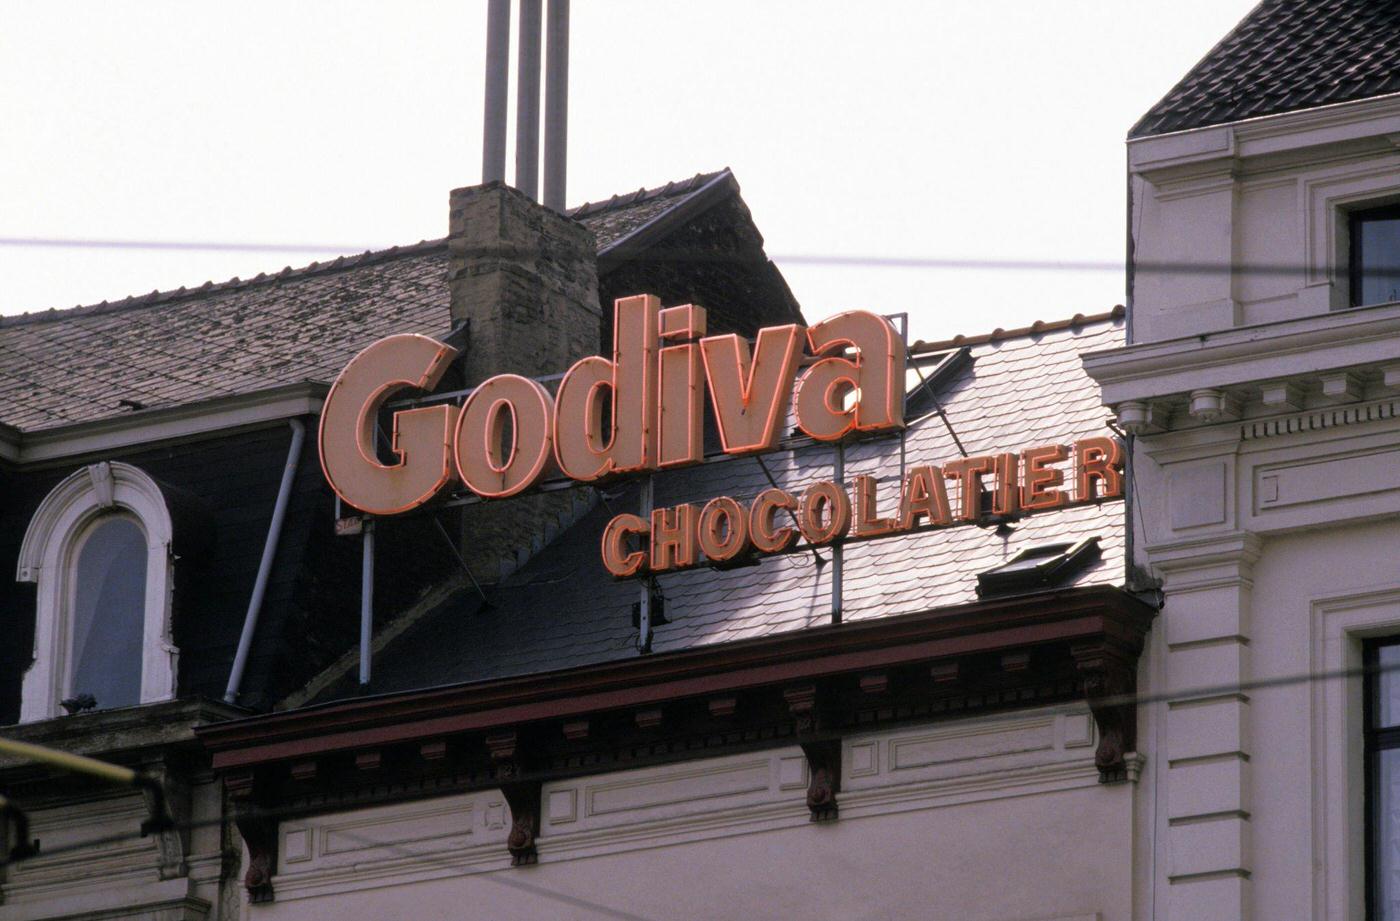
1208, 584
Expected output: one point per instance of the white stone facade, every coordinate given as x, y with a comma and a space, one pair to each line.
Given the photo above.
1266, 493
998, 818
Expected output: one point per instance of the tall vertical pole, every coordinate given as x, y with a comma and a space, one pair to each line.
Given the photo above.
838, 552
644, 608
527, 101
556, 106
904, 429
493, 141
366, 601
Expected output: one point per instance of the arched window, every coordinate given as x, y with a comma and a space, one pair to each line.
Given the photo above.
109, 601
99, 550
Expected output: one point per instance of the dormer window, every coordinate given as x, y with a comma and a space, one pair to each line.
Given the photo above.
1375, 256
98, 549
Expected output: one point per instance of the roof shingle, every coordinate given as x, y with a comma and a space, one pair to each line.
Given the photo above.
1284, 56
169, 348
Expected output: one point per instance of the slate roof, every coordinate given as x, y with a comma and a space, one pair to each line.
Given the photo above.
169, 348
1284, 56
561, 609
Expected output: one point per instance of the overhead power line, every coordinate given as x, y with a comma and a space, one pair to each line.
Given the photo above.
193, 245
830, 260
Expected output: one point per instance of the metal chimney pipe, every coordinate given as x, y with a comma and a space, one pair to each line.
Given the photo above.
527, 102
556, 106
493, 142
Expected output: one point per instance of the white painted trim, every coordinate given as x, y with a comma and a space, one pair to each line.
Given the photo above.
1268, 134
1339, 624
46, 556
213, 417
1248, 354
915, 768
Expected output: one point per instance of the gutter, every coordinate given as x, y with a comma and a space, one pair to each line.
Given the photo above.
274, 533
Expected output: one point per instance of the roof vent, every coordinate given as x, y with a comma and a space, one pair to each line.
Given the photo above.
1038, 567
927, 376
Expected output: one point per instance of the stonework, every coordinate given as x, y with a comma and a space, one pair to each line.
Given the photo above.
525, 280
1265, 453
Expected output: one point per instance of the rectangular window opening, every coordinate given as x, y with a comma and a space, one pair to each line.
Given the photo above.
1375, 255
1382, 766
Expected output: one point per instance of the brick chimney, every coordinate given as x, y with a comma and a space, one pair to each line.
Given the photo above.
526, 279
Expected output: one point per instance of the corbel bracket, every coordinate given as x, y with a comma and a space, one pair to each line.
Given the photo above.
522, 796
259, 832
1108, 675
167, 800
823, 754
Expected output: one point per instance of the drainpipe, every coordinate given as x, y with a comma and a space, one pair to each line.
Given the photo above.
274, 533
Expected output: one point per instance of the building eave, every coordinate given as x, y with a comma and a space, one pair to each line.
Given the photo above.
149, 427
1097, 613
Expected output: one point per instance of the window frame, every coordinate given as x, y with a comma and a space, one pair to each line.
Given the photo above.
1375, 739
68, 677
47, 556
1355, 218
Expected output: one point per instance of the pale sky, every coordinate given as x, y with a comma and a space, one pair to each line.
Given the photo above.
935, 130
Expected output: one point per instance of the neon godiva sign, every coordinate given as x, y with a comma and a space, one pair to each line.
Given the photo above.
642, 410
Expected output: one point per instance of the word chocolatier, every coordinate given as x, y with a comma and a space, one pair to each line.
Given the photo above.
642, 410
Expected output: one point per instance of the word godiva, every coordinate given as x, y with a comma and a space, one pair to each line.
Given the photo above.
724, 531
640, 410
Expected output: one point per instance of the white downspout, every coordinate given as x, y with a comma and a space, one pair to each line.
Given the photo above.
274, 533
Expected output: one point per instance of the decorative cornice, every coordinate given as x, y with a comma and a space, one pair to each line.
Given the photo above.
1320, 419
810, 687
1071, 615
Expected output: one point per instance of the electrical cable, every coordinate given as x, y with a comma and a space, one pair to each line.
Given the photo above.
138, 322
680, 255
1182, 695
